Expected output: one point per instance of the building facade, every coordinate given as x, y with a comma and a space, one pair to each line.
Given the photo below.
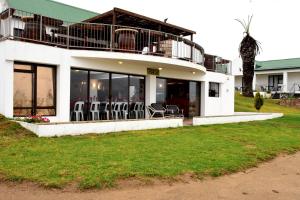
54, 64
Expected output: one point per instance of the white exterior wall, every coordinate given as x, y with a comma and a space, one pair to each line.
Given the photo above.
222, 105
261, 80
238, 81
64, 59
293, 81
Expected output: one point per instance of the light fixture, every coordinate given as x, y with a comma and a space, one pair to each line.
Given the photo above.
76, 70
94, 85
160, 69
160, 85
120, 62
194, 73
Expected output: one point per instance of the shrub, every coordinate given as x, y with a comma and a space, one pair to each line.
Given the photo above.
258, 101
34, 119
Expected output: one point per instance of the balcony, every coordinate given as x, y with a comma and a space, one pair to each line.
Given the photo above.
93, 35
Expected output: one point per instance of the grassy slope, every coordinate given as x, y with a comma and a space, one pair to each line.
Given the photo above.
244, 104
98, 161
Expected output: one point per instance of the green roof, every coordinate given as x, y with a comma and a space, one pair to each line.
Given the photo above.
52, 9
277, 64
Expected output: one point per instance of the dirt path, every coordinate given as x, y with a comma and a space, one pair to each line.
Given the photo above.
278, 179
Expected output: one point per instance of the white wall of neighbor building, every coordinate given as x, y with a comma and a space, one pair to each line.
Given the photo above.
64, 59
294, 81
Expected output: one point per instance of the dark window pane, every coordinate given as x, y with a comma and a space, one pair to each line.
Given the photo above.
45, 86
119, 88
137, 97
79, 85
99, 86
214, 89
23, 89
161, 90
194, 96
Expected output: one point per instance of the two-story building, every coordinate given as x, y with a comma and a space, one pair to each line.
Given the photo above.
56, 59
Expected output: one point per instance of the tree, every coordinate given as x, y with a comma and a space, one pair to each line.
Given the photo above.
249, 48
258, 101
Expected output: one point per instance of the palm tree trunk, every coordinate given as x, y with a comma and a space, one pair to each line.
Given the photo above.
248, 74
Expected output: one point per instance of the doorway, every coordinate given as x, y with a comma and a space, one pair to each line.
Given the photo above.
185, 94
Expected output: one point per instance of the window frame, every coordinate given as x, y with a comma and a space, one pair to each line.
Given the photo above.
217, 93
33, 71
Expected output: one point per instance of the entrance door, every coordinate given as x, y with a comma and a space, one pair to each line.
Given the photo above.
185, 94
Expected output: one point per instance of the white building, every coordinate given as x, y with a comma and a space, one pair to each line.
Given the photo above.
54, 56
275, 76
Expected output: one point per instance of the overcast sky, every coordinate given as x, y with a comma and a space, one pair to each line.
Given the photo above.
275, 22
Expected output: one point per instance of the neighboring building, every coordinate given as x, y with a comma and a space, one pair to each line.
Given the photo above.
55, 57
276, 76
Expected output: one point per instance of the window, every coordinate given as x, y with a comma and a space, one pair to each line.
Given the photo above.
214, 89
275, 82
194, 99
34, 90
161, 90
109, 89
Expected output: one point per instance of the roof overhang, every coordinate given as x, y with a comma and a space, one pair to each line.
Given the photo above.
119, 16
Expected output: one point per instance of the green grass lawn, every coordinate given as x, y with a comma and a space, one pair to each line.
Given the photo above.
98, 161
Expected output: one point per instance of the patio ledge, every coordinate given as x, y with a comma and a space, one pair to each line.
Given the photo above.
100, 127
236, 118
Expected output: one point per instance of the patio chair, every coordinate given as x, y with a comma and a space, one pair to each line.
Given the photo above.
142, 110
156, 109
94, 110
135, 112
78, 111
116, 110
124, 110
104, 110
173, 110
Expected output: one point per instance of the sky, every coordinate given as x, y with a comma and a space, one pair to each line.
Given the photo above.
275, 23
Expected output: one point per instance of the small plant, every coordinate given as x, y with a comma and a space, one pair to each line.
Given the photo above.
258, 101
34, 119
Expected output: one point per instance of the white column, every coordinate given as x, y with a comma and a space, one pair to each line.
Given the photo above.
285, 82
150, 91
254, 82
7, 81
204, 97
63, 91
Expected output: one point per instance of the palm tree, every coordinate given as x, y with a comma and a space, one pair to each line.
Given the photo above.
249, 48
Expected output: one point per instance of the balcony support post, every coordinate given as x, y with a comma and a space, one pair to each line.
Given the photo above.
192, 49
68, 36
149, 42
177, 47
111, 37
9, 23
41, 28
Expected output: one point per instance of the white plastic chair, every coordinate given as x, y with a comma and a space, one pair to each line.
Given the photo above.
116, 110
125, 110
135, 111
104, 110
94, 110
78, 111
142, 110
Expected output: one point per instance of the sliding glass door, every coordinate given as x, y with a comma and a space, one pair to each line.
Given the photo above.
118, 94
185, 94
